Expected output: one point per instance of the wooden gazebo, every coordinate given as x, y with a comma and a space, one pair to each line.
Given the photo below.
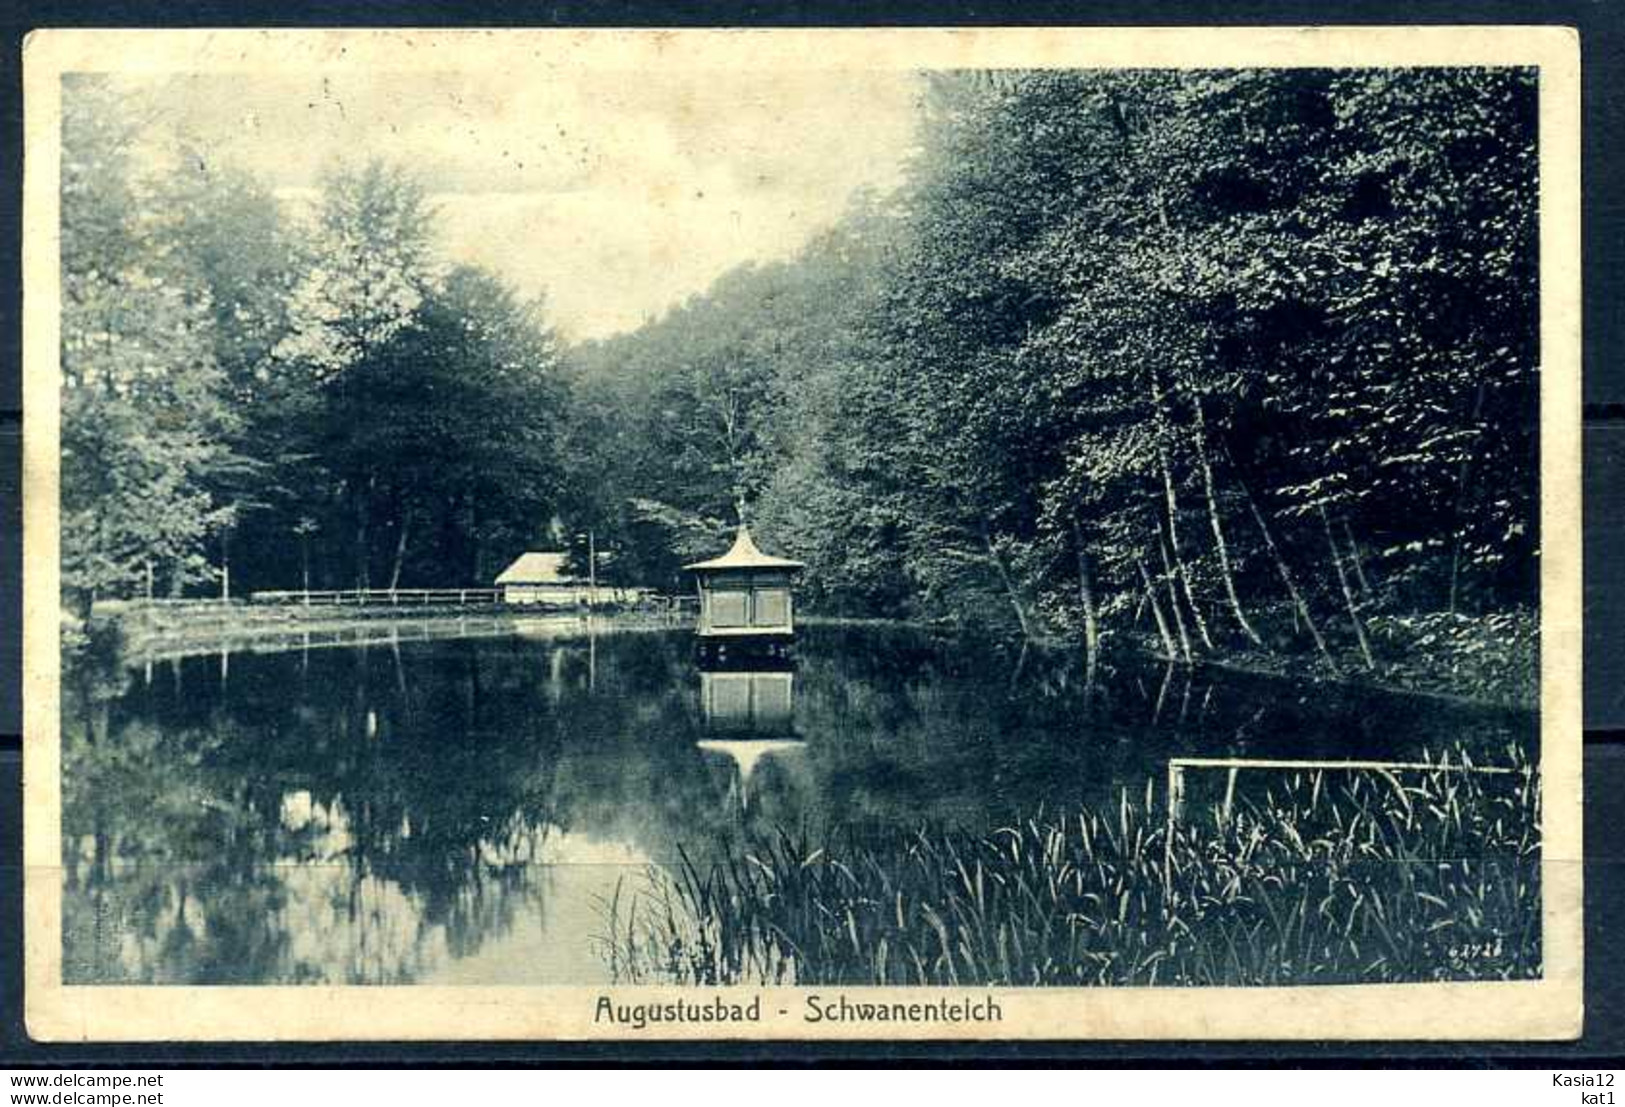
745, 602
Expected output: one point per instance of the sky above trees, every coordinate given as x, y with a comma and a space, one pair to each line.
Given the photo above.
614, 196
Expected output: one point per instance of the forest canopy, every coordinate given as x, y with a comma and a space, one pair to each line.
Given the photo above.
1225, 359
295, 398
1249, 357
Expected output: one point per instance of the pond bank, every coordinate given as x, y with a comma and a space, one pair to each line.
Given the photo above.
161, 631
1488, 660
1491, 660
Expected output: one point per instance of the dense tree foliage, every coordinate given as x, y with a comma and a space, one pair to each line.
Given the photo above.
144, 420
1210, 360
714, 412
256, 400
1240, 359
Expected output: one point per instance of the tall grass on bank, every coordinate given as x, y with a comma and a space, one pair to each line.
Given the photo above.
1313, 878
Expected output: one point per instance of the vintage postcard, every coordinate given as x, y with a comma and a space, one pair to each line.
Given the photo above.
853, 534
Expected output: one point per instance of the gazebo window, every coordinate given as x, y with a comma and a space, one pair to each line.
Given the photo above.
772, 607
730, 609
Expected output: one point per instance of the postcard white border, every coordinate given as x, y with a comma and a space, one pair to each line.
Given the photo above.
1546, 1009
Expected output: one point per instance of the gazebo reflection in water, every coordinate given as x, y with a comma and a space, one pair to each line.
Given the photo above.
749, 715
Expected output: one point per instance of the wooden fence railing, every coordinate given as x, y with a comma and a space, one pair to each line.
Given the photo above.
393, 597
1177, 767
426, 597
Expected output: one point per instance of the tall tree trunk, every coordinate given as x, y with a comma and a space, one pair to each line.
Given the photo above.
400, 548
1348, 593
363, 537
1156, 611
1455, 569
476, 544
1173, 598
1459, 512
1086, 595
1162, 692
1172, 504
1021, 665
1199, 437
1285, 572
1357, 559
1023, 618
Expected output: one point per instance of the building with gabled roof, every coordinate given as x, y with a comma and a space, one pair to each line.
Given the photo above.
540, 577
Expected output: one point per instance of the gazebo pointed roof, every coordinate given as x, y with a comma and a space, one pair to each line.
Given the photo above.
743, 555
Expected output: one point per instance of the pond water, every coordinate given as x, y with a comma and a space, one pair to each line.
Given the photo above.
456, 811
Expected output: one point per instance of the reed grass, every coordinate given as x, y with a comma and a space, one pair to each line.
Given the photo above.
1311, 878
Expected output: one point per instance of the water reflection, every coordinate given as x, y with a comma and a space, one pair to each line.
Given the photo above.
751, 704
453, 811
751, 715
